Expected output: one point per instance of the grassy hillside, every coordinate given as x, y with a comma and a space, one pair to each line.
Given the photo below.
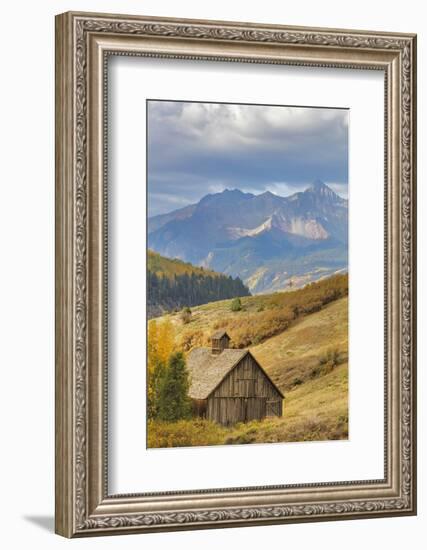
308, 360
306, 350
261, 317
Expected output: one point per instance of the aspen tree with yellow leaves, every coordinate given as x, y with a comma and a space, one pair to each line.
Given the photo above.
161, 343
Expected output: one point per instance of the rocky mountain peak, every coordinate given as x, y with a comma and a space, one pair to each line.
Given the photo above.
321, 189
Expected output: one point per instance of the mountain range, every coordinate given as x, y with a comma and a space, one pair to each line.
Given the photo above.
270, 242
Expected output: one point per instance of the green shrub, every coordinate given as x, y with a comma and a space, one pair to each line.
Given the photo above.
236, 304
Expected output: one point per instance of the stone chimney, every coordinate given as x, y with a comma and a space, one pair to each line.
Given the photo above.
220, 341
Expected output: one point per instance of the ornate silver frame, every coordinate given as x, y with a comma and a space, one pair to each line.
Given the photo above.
83, 42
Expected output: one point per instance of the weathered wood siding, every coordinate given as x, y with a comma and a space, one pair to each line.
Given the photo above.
245, 394
230, 410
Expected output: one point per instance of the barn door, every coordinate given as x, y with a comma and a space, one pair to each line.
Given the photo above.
273, 408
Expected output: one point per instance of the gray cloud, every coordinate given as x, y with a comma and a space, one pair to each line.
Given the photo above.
200, 148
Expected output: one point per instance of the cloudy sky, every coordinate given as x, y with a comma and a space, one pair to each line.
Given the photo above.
200, 148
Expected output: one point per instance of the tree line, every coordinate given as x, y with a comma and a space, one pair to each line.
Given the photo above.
169, 293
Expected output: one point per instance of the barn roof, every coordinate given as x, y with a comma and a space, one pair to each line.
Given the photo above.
207, 370
219, 334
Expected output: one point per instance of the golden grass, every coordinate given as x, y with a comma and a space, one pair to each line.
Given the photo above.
296, 355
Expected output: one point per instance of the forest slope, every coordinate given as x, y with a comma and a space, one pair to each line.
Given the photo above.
173, 284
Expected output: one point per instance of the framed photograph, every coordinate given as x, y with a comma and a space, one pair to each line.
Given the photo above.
235, 274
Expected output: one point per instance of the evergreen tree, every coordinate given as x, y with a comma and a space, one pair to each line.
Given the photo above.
174, 402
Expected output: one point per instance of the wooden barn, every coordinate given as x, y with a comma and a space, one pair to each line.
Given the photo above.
229, 385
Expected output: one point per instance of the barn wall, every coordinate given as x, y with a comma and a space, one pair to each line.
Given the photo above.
245, 394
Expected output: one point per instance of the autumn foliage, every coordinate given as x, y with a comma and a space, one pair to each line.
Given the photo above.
168, 382
161, 345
